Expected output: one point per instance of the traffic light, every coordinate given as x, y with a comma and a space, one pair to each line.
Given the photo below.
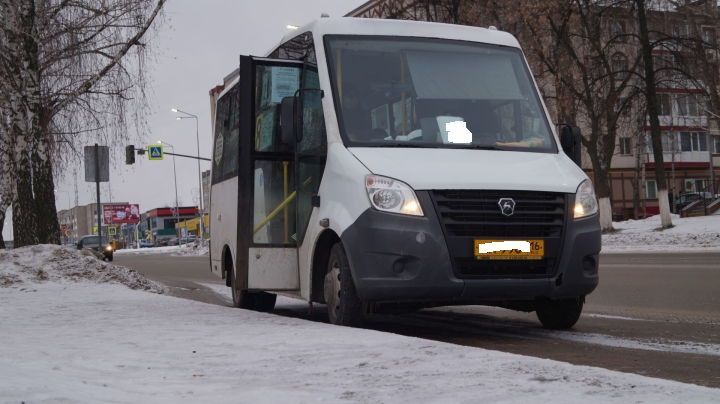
130, 154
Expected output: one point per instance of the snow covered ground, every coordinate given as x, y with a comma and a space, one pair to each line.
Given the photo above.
689, 234
68, 338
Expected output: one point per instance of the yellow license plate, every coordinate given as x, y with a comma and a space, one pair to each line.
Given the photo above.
509, 249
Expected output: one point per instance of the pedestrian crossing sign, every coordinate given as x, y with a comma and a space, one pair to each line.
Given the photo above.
155, 152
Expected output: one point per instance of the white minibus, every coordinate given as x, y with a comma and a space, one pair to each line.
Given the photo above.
374, 165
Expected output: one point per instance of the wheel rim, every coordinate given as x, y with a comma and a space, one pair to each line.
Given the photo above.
331, 291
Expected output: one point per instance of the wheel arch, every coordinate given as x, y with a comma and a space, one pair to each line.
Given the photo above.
321, 255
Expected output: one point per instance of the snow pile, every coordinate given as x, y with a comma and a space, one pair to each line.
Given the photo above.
194, 248
690, 233
148, 250
200, 247
53, 263
72, 343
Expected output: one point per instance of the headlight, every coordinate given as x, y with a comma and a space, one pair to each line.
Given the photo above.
108, 248
585, 200
389, 195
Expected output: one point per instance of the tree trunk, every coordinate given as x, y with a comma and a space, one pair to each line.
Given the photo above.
44, 187
652, 107
3, 212
602, 187
23, 207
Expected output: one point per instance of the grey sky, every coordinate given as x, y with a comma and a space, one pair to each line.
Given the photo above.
196, 47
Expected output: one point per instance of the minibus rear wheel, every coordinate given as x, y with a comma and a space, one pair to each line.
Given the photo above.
344, 305
560, 314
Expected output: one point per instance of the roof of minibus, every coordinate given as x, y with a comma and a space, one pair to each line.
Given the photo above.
385, 27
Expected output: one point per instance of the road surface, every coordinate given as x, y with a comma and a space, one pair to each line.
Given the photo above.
657, 315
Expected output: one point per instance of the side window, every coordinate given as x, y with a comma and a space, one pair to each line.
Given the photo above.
226, 147
314, 138
299, 48
231, 148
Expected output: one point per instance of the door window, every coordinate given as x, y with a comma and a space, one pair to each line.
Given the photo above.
273, 175
273, 84
274, 205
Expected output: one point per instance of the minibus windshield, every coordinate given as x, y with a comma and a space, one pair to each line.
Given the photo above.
421, 92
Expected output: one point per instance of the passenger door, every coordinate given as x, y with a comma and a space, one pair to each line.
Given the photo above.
267, 194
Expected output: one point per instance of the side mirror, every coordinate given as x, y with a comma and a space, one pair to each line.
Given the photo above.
288, 127
571, 142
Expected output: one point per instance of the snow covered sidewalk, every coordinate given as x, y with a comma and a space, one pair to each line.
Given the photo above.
689, 234
65, 340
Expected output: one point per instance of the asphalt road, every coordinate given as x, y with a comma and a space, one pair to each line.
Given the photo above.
652, 314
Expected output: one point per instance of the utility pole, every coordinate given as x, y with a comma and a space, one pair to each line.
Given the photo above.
97, 194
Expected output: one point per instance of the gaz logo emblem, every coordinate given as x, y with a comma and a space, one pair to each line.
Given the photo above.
507, 206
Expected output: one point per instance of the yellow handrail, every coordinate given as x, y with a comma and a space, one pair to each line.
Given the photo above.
279, 208
275, 212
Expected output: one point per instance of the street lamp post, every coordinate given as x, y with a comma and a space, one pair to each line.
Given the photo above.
187, 115
177, 217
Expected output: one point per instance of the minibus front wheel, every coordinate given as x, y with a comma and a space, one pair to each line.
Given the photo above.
344, 305
559, 314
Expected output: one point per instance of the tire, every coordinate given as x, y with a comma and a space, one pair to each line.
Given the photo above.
560, 314
344, 306
250, 300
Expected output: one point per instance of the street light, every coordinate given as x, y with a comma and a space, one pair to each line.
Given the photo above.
187, 115
177, 217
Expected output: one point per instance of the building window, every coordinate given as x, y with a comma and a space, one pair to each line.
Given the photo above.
693, 141
669, 142
680, 30
709, 37
650, 189
716, 143
617, 31
688, 105
664, 104
625, 146
619, 64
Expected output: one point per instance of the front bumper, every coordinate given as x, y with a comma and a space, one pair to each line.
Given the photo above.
396, 258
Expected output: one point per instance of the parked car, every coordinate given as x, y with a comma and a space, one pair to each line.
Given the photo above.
686, 199
146, 243
103, 247
190, 238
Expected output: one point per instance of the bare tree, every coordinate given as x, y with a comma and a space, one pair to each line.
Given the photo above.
591, 71
81, 65
652, 105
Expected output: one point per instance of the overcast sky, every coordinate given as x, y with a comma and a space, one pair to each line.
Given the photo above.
197, 45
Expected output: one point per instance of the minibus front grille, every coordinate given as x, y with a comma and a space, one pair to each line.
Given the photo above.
466, 215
